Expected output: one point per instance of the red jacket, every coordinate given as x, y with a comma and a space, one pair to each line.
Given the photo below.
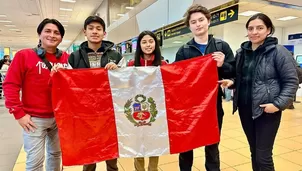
146, 62
29, 74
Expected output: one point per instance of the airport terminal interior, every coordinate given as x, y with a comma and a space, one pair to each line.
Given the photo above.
125, 20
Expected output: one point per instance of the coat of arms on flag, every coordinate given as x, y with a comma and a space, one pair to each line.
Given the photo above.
141, 112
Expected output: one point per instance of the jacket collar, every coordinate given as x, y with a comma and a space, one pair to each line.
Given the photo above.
147, 62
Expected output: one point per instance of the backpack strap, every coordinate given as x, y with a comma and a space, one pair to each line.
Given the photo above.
43, 58
218, 44
77, 58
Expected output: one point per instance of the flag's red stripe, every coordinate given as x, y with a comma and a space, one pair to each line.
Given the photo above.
82, 101
191, 95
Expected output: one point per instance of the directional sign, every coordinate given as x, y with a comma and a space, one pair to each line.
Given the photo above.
225, 15
176, 31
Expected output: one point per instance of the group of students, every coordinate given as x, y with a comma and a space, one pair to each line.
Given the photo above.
262, 74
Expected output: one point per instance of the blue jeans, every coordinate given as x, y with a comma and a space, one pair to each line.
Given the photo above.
34, 146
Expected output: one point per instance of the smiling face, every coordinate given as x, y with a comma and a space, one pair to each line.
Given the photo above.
94, 32
147, 44
50, 36
257, 31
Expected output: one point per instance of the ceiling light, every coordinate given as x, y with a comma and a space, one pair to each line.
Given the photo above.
177, 42
10, 25
287, 18
1, 15
65, 9
64, 21
71, 1
14, 29
5, 21
65, 25
130, 8
248, 13
63, 15
121, 15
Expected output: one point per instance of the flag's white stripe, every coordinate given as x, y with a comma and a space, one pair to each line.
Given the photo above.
140, 141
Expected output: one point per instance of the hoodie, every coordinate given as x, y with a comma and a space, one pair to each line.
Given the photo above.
28, 73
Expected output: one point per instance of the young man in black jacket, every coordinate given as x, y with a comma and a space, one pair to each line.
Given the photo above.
197, 18
96, 53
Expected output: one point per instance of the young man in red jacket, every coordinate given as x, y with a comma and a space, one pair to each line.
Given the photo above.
30, 73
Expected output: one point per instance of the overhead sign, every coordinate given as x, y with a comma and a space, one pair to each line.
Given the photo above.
176, 31
295, 36
224, 16
295, 39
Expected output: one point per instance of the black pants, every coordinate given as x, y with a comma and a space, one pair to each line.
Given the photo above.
212, 152
111, 166
261, 134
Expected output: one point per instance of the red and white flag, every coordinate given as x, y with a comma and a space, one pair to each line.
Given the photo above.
136, 111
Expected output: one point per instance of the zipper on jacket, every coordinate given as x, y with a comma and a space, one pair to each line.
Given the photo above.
205, 50
196, 49
253, 84
268, 92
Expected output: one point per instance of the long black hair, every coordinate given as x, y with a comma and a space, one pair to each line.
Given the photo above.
139, 53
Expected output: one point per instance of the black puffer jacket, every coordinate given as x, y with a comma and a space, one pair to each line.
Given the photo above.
269, 77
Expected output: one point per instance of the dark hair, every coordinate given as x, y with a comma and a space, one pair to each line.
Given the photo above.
92, 19
266, 20
194, 9
5, 60
51, 21
6, 56
139, 53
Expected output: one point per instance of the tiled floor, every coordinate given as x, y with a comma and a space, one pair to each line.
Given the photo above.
10, 139
234, 151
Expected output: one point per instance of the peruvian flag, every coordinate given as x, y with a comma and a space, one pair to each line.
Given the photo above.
136, 111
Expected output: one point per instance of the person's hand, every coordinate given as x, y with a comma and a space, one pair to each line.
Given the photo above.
219, 58
56, 67
111, 66
225, 83
27, 124
269, 108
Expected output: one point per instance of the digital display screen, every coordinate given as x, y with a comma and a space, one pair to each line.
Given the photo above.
123, 48
134, 44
